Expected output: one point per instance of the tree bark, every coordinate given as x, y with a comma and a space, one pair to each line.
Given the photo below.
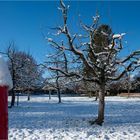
58, 88
13, 91
101, 107
28, 96
49, 94
13, 98
59, 95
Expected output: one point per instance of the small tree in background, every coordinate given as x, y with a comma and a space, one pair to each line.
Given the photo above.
57, 79
24, 71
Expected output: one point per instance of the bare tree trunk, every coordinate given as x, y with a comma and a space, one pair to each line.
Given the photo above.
28, 96
59, 95
49, 94
13, 92
58, 88
101, 106
13, 98
96, 95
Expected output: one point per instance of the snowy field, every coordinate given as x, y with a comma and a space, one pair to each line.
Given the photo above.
44, 119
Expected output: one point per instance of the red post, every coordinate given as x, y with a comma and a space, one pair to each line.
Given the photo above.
3, 113
5, 85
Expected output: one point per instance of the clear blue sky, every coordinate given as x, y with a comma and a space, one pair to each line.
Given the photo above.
24, 22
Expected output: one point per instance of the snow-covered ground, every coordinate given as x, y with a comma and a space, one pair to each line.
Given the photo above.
44, 119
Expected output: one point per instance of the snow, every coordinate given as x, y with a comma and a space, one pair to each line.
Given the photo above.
44, 119
5, 77
104, 33
85, 43
59, 8
118, 36
68, 6
110, 46
138, 61
80, 35
50, 39
95, 18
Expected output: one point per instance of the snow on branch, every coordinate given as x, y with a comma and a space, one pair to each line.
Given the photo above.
138, 61
76, 51
86, 27
118, 36
72, 74
131, 67
104, 33
56, 45
96, 18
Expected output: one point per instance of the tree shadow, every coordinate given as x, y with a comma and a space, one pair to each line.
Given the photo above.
70, 114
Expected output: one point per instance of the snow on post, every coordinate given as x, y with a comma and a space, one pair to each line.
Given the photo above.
5, 77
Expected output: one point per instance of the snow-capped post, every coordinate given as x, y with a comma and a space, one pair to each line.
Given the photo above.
5, 85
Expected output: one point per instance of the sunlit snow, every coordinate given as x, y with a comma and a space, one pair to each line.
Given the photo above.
44, 119
5, 77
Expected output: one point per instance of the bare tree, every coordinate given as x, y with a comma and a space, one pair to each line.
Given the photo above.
10, 53
106, 60
57, 79
53, 83
24, 71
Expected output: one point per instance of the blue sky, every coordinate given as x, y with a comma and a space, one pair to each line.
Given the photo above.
24, 22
